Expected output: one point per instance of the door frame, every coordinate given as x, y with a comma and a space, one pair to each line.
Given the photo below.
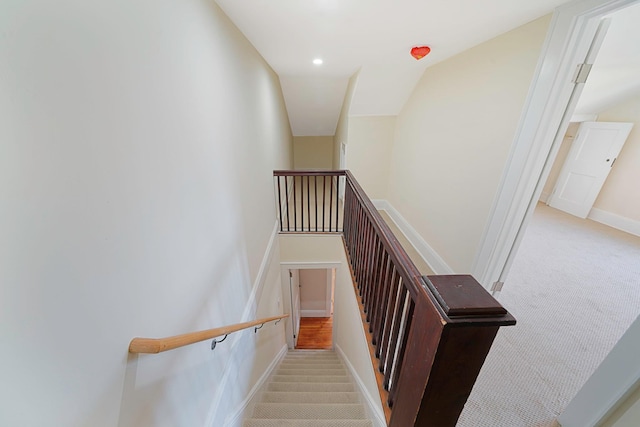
536, 143
537, 140
286, 294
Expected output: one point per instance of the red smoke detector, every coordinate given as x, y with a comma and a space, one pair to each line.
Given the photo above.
420, 52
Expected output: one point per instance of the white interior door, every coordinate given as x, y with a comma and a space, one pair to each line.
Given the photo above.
592, 154
294, 289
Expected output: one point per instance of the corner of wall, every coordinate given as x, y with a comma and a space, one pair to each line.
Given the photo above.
342, 128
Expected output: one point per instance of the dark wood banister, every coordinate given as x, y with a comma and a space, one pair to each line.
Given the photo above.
450, 321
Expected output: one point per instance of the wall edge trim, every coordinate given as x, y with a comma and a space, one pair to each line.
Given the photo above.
249, 310
239, 413
428, 254
616, 221
379, 418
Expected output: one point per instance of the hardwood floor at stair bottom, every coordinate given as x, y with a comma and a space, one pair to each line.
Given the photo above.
315, 333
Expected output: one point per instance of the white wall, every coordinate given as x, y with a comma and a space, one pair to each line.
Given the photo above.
313, 292
342, 128
370, 146
137, 140
453, 137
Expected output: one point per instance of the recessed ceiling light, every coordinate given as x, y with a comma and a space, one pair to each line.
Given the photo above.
318, 61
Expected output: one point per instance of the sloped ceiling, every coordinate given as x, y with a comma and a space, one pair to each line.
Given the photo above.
373, 36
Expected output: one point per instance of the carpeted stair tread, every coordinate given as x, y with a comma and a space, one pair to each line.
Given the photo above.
330, 372
312, 358
317, 411
310, 397
311, 387
328, 355
310, 378
306, 423
301, 365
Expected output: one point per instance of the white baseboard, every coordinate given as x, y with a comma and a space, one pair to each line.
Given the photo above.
430, 256
374, 407
616, 221
314, 313
235, 419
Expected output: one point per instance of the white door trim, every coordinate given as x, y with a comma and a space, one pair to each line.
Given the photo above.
571, 32
286, 294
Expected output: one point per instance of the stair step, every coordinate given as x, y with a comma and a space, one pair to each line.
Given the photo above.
306, 361
310, 397
330, 372
314, 360
310, 379
316, 411
312, 355
311, 387
306, 423
302, 365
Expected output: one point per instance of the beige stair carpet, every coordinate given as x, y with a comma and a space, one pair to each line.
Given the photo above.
310, 389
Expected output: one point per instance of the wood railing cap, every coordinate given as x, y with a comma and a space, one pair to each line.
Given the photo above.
310, 172
461, 296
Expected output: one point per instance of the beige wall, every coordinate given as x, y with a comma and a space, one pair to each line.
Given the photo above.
137, 142
369, 152
313, 152
342, 128
313, 289
453, 137
619, 194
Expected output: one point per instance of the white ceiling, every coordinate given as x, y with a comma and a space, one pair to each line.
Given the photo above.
375, 36
615, 75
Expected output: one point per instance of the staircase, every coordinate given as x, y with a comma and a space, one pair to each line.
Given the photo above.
309, 389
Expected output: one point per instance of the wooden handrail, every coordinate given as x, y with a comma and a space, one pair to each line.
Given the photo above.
310, 172
158, 345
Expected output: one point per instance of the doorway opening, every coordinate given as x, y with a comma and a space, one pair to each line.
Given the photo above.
570, 282
311, 299
316, 309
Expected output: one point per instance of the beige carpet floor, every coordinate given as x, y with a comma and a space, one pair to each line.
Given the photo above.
574, 289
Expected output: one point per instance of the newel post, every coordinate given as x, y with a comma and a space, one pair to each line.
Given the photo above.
450, 336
